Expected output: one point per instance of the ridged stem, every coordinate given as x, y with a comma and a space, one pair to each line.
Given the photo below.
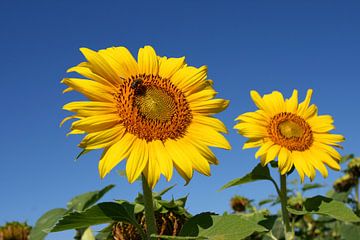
149, 208
284, 211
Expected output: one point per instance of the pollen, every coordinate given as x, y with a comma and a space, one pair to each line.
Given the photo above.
153, 109
290, 131
155, 104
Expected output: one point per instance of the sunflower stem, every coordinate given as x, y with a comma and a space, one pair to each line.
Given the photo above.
149, 208
357, 195
284, 211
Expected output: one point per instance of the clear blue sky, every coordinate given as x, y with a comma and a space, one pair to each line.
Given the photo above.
262, 45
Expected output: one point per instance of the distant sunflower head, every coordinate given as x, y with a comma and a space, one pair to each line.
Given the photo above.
156, 112
292, 132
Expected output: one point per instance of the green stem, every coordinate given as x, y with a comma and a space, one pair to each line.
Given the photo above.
284, 211
149, 208
357, 194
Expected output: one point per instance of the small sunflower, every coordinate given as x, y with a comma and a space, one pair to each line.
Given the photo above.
156, 112
292, 132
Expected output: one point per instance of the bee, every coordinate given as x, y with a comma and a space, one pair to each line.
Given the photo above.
136, 83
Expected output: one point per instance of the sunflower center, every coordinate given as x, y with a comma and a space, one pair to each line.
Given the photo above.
290, 131
152, 108
155, 104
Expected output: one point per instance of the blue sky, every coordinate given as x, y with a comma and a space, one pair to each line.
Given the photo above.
262, 45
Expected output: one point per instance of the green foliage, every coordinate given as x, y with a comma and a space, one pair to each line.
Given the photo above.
326, 206
258, 173
226, 227
310, 186
105, 212
83, 201
350, 231
79, 203
46, 221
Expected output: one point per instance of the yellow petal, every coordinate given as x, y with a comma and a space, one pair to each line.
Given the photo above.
250, 130
310, 112
211, 122
330, 139
253, 143
100, 66
328, 149
90, 108
283, 160
316, 162
164, 159
181, 163
170, 66
260, 103
203, 149
275, 102
88, 73
297, 160
189, 77
125, 59
152, 169
326, 158
96, 123
93, 90
292, 103
137, 160
199, 163
321, 124
201, 96
263, 149
272, 153
210, 106
305, 104
255, 118
121, 61
116, 153
208, 135
102, 139
148, 61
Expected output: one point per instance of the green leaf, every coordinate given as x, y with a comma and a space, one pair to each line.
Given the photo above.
85, 200
346, 158
106, 212
350, 231
227, 227
327, 206
176, 237
339, 196
165, 190
45, 222
258, 173
83, 152
309, 186
105, 233
266, 201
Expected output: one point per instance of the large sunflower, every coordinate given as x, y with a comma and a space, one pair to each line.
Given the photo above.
292, 132
155, 112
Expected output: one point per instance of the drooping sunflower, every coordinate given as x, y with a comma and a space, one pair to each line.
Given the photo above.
156, 112
292, 132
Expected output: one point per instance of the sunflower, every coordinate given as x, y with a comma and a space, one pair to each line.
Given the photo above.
156, 112
292, 132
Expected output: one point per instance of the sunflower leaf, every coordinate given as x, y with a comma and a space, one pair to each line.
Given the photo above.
226, 227
46, 222
258, 173
326, 206
309, 186
85, 200
350, 231
105, 212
